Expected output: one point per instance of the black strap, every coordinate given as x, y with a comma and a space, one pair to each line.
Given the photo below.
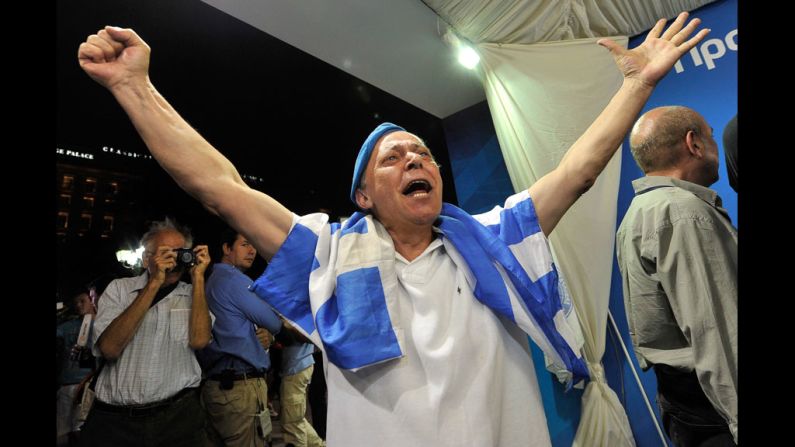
163, 292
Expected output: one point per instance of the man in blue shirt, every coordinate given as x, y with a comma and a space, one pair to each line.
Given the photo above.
235, 363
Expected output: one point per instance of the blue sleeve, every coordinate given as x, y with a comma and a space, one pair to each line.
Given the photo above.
285, 283
253, 308
513, 222
260, 312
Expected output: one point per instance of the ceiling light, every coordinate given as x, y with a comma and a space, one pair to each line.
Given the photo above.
468, 57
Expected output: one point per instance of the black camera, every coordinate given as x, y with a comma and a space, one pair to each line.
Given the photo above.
185, 257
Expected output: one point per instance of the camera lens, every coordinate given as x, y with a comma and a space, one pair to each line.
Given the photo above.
186, 256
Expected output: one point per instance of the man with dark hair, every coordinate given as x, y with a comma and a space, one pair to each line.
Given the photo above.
416, 304
147, 329
235, 363
677, 251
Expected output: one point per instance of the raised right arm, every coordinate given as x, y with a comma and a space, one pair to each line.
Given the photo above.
119, 60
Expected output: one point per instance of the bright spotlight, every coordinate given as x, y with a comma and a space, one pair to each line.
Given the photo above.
130, 259
468, 57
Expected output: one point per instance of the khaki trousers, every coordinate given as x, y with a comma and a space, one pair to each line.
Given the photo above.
297, 430
236, 414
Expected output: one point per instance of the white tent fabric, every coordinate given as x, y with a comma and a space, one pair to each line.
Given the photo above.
533, 21
542, 98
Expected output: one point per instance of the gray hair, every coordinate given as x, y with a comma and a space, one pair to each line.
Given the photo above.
654, 138
168, 224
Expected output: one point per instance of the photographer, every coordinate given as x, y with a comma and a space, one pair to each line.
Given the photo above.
147, 329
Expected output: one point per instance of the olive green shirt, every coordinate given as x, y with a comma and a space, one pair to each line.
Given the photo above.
677, 252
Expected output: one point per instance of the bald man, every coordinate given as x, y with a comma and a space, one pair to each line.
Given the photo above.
677, 251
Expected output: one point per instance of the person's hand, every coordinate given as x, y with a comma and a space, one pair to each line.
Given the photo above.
297, 335
264, 336
650, 61
163, 261
286, 324
75, 352
114, 56
202, 261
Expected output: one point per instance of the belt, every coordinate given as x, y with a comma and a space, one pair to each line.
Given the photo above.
239, 376
145, 409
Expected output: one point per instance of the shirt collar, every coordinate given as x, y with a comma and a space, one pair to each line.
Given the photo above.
646, 184
435, 243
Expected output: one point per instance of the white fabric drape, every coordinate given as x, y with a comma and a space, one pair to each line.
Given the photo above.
542, 98
533, 21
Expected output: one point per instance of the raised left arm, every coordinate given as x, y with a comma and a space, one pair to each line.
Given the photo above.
642, 67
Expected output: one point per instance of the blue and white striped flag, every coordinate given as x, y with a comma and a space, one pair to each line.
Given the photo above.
337, 283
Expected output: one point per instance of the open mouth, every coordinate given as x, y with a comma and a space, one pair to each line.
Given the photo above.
417, 187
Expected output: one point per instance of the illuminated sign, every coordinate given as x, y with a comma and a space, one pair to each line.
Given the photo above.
75, 154
112, 150
125, 153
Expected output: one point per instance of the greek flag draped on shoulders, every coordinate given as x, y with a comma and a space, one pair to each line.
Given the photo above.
337, 283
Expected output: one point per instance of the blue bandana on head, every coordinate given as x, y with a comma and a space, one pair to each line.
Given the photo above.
365, 151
